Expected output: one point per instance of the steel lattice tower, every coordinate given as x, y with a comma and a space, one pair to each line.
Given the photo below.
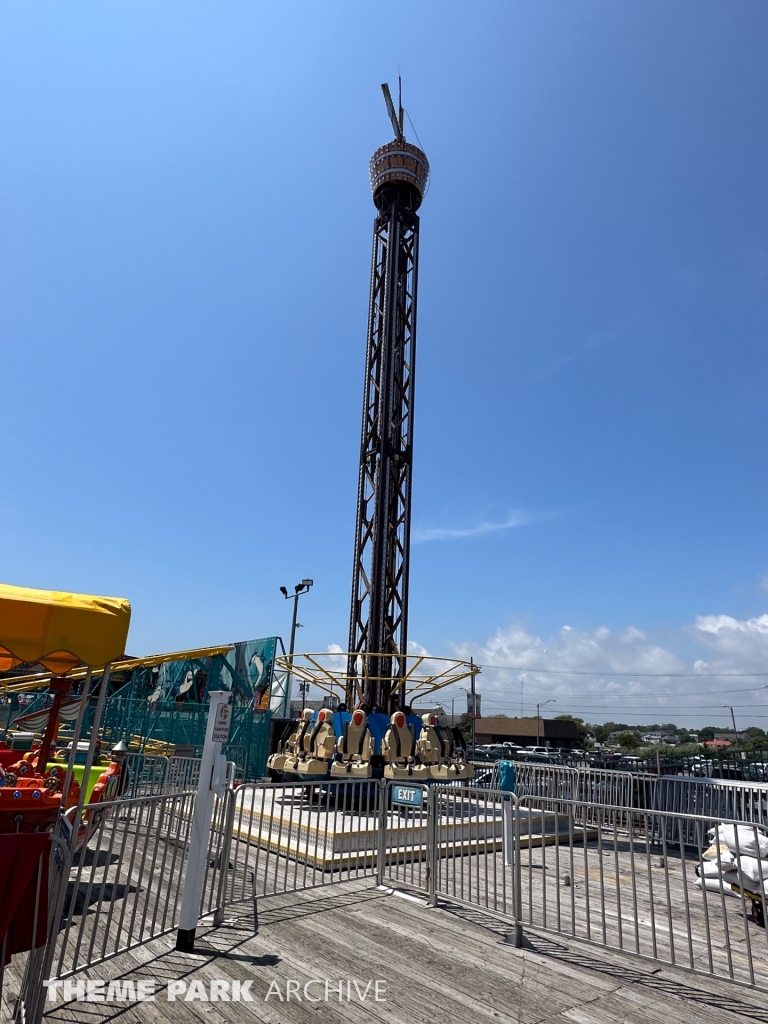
379, 617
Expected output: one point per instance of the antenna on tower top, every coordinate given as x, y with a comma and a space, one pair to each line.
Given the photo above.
396, 124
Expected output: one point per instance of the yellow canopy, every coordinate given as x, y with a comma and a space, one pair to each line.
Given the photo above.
60, 630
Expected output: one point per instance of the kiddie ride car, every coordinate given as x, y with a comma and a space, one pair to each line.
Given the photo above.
62, 632
31, 786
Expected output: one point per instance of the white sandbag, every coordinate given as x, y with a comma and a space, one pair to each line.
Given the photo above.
722, 884
752, 842
711, 869
753, 870
726, 860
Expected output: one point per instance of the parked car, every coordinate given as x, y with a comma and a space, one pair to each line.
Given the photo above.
511, 749
532, 758
536, 750
480, 754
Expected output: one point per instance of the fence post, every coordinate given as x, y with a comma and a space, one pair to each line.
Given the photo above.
507, 831
517, 875
382, 837
229, 825
432, 833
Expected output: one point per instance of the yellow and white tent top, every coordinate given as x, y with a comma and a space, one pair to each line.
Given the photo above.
60, 630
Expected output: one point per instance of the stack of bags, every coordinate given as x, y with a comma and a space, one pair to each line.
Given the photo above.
742, 860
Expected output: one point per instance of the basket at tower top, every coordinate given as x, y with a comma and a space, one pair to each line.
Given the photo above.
402, 164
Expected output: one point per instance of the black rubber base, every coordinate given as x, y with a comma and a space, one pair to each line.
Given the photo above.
185, 940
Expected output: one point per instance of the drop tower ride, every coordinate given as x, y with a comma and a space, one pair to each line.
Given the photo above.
378, 632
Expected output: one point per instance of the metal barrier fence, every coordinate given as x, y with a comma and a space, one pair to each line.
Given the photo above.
607, 875
282, 837
471, 827
144, 775
714, 798
149, 775
621, 876
747, 801
629, 888
126, 884
183, 773
406, 836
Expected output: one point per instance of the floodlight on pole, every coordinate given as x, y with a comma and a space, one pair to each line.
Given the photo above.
539, 706
298, 590
733, 719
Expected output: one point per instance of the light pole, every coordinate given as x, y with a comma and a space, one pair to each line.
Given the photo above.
538, 715
472, 692
474, 705
298, 590
733, 719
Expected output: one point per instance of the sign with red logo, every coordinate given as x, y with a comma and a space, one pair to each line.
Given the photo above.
221, 723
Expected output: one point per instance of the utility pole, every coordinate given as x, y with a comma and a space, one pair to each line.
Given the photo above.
474, 705
298, 590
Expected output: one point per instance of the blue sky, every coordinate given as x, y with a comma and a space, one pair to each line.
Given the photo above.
185, 225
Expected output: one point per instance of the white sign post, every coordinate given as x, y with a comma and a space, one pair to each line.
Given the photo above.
216, 733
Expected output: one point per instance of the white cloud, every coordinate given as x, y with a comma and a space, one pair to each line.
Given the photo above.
601, 675
737, 645
420, 536
623, 676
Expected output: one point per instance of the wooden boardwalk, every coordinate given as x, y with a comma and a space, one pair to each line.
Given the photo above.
621, 895
438, 966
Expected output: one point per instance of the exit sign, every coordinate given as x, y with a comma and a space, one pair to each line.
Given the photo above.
408, 795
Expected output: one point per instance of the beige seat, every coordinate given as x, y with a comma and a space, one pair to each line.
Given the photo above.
438, 751
293, 745
320, 747
398, 749
430, 746
354, 749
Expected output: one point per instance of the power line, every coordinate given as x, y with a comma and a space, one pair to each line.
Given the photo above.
700, 693
587, 705
646, 710
639, 675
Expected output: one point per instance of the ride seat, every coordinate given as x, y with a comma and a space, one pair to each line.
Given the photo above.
431, 746
437, 749
398, 749
292, 748
354, 749
320, 747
